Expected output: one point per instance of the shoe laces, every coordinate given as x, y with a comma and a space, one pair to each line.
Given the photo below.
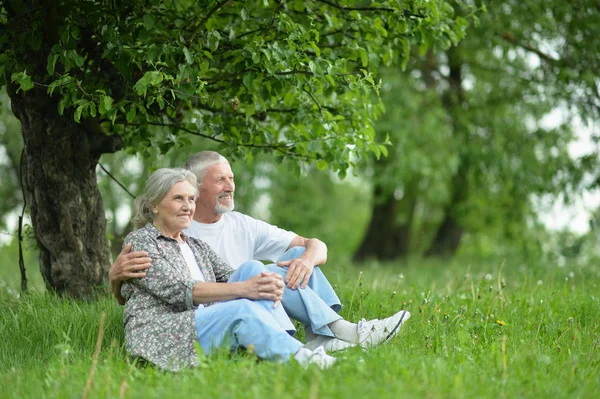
362, 326
319, 352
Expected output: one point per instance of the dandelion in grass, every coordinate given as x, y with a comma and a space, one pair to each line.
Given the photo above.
488, 277
500, 323
540, 282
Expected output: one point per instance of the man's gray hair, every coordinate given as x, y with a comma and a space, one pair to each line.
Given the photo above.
157, 186
201, 161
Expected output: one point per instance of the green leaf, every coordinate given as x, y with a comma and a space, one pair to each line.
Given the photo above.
405, 53
250, 109
189, 58
51, 64
75, 34
384, 150
364, 57
288, 99
105, 104
149, 21
248, 79
131, 114
23, 80
322, 164
61, 105
315, 48
78, 111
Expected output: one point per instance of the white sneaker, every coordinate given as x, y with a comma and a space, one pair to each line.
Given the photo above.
374, 332
335, 344
318, 357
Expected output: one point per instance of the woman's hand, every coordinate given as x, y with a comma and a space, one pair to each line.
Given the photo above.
266, 285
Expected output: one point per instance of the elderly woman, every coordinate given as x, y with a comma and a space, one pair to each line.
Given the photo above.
190, 294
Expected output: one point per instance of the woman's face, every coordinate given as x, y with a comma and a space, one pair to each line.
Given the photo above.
176, 210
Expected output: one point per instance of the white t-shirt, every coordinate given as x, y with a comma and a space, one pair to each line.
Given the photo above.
191, 262
238, 238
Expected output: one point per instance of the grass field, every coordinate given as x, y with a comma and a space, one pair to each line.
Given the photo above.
479, 329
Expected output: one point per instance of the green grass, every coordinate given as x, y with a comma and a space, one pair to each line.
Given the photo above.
454, 346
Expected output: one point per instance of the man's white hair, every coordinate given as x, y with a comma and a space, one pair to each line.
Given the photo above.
201, 161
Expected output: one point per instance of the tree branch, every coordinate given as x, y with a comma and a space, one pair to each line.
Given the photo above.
345, 8
284, 149
206, 18
509, 37
315, 100
115, 180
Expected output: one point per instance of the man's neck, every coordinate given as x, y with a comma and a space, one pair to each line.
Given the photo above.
207, 217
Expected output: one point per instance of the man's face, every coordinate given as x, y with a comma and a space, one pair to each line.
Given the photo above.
216, 190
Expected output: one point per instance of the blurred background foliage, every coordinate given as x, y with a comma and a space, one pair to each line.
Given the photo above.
473, 150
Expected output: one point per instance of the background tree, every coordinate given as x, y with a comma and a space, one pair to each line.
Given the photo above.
495, 153
293, 78
11, 145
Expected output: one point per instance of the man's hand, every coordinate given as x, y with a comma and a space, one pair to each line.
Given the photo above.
127, 265
266, 285
299, 272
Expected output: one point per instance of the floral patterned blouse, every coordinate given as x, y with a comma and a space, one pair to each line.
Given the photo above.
159, 313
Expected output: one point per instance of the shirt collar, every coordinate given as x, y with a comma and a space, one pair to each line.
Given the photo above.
156, 234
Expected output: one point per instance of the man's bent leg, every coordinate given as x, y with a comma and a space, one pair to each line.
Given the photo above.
317, 282
304, 305
250, 269
245, 323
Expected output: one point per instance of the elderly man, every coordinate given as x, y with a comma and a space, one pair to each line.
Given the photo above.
308, 297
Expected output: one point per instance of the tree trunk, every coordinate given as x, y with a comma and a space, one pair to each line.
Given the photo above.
448, 236
387, 237
59, 178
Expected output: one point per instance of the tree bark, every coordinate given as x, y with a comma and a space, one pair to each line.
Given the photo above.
59, 178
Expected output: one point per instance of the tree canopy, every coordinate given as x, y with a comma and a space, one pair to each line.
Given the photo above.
295, 78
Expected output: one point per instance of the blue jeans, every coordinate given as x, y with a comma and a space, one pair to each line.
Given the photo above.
315, 306
245, 323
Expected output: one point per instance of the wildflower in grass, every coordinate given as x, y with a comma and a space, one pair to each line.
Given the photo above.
488, 277
571, 274
540, 282
500, 323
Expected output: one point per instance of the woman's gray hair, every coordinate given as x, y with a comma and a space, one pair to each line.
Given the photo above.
157, 186
201, 161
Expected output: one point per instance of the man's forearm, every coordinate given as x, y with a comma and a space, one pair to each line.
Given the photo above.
116, 290
316, 251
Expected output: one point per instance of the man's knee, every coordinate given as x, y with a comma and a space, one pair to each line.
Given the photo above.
247, 270
292, 253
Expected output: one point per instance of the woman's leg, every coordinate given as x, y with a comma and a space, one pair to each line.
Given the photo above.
250, 269
244, 323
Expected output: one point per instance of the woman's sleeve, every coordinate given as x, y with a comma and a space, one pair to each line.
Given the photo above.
163, 280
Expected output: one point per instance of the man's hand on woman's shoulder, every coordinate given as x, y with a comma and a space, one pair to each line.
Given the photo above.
127, 265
